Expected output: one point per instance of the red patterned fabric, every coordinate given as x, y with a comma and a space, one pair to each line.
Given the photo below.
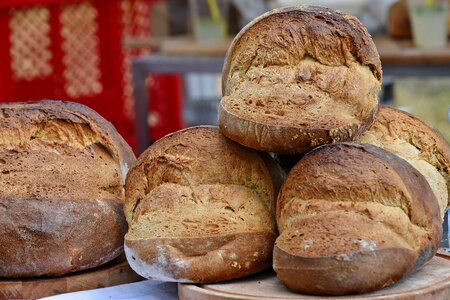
73, 50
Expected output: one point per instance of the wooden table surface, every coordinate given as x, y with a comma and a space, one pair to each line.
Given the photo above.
403, 52
113, 273
431, 282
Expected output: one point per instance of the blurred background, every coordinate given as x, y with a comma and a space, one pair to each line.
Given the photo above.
153, 66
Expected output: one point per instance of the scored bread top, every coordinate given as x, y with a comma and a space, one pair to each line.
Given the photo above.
309, 74
353, 218
359, 175
62, 146
422, 146
198, 167
200, 208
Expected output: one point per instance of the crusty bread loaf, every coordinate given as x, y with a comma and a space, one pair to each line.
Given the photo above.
200, 208
413, 140
299, 77
62, 173
353, 218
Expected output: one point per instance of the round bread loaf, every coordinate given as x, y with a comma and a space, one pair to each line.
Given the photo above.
353, 218
299, 77
413, 140
200, 208
62, 173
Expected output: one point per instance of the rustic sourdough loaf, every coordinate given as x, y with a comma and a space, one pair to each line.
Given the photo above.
200, 208
353, 218
62, 173
299, 77
422, 146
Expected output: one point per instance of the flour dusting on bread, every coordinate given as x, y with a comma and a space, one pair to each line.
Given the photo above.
156, 269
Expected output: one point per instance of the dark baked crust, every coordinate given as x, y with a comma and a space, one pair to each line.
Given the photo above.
63, 170
285, 139
299, 77
346, 208
323, 279
53, 237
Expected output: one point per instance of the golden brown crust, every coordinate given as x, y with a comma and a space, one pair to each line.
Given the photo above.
63, 169
348, 207
412, 139
299, 77
197, 185
285, 139
319, 22
76, 113
194, 156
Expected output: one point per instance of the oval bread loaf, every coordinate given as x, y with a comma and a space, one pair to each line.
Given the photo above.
62, 173
353, 218
200, 208
413, 140
299, 77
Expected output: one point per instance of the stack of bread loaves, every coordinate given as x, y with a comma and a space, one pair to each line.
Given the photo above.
352, 217
361, 209
62, 173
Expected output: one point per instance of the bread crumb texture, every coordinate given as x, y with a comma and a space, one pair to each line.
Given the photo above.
62, 188
211, 197
307, 71
344, 212
419, 144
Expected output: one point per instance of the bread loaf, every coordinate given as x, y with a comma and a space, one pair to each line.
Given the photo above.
413, 140
398, 20
299, 77
200, 208
353, 218
62, 173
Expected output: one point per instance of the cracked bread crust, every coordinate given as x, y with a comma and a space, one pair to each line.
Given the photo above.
63, 170
200, 208
413, 140
353, 218
299, 77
